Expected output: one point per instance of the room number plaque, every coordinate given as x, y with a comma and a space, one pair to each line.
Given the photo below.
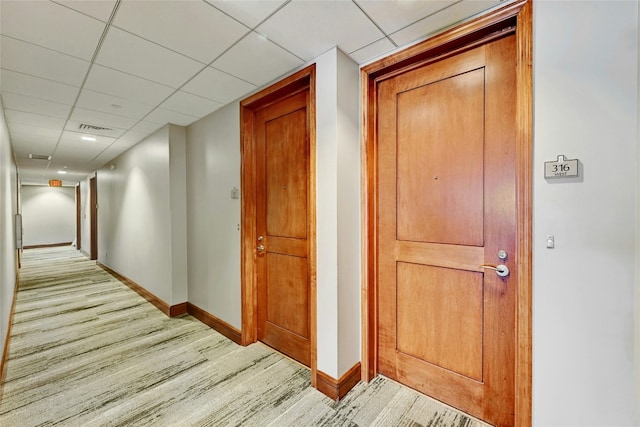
561, 168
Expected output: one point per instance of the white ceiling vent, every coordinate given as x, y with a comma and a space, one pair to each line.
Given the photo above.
90, 129
86, 126
39, 157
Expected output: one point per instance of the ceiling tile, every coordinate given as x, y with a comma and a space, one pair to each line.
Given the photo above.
190, 104
163, 116
74, 159
70, 138
33, 139
440, 21
130, 139
35, 87
126, 52
249, 12
218, 86
76, 167
51, 25
73, 147
112, 82
257, 60
146, 127
113, 105
37, 106
37, 61
310, 28
193, 28
107, 156
34, 146
392, 16
372, 51
31, 172
31, 119
99, 9
127, 141
99, 118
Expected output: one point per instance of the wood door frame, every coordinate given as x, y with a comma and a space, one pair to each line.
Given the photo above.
93, 212
78, 219
515, 17
301, 80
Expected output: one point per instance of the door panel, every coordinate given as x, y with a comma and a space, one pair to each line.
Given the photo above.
282, 153
440, 154
287, 152
448, 305
286, 294
446, 206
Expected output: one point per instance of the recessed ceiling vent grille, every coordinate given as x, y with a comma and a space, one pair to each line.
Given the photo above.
39, 157
85, 126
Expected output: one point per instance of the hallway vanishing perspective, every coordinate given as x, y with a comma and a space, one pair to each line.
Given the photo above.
87, 350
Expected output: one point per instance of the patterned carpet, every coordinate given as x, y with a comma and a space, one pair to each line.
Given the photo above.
87, 351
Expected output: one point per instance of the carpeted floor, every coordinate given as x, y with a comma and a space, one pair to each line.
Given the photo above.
87, 351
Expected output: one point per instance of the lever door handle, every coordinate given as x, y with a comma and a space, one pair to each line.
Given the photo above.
501, 270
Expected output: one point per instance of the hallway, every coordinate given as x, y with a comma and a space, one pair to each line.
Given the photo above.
86, 350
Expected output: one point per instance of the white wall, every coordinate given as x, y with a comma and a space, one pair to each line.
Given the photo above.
178, 210
213, 169
349, 214
637, 277
48, 214
85, 217
213, 217
586, 98
327, 212
338, 212
135, 222
8, 209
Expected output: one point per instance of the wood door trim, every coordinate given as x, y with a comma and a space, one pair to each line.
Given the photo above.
78, 219
463, 37
6, 342
301, 80
524, 197
337, 389
93, 211
169, 310
214, 322
47, 245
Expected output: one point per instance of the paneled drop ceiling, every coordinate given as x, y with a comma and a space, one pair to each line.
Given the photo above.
117, 70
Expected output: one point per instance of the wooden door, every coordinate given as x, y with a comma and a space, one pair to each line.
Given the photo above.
446, 208
282, 226
78, 219
93, 212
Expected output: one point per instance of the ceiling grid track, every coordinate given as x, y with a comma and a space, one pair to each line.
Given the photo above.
86, 76
210, 64
72, 63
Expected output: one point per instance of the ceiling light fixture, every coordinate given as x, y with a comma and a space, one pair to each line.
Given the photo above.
62, 172
88, 138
